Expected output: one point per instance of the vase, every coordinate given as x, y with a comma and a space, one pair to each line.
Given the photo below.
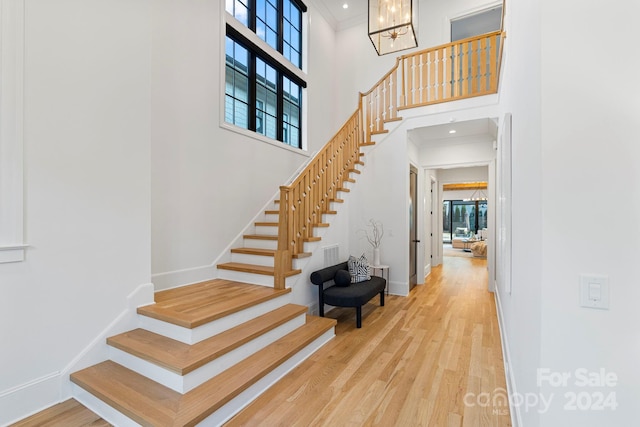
376, 256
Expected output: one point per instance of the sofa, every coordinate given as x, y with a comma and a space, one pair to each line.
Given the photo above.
460, 235
332, 290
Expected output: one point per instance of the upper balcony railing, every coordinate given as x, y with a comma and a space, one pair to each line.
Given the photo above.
452, 71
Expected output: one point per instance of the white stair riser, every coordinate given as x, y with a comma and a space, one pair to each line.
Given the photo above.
185, 383
271, 217
260, 244
234, 406
107, 412
266, 229
241, 276
252, 259
192, 336
254, 279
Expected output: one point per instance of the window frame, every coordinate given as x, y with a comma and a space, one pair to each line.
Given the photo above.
258, 47
255, 54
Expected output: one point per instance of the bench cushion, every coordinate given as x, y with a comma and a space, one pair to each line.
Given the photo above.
355, 295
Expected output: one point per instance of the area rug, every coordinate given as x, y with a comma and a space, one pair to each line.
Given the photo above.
448, 250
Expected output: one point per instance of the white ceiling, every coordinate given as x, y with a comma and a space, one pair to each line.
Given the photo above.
481, 129
340, 17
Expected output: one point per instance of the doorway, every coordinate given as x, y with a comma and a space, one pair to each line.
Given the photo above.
413, 227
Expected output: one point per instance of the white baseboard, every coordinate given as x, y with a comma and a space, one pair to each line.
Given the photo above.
399, 288
98, 351
516, 416
27, 399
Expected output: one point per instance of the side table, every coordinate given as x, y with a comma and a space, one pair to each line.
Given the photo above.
384, 273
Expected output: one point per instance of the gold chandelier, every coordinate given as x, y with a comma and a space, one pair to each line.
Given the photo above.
391, 25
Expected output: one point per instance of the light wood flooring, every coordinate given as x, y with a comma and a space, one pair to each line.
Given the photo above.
412, 363
69, 413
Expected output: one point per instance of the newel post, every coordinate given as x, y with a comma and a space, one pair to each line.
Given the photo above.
282, 260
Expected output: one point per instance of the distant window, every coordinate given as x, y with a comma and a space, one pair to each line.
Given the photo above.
476, 24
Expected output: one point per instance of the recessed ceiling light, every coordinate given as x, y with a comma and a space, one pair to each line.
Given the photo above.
452, 131
345, 6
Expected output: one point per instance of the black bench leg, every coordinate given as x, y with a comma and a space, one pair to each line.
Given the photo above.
358, 317
382, 298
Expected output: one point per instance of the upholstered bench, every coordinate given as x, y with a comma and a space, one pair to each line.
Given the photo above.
343, 294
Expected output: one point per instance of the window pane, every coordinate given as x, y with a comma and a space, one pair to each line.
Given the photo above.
267, 22
266, 99
239, 9
292, 34
291, 113
236, 84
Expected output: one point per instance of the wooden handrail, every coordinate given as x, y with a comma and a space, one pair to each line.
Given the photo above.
452, 71
303, 202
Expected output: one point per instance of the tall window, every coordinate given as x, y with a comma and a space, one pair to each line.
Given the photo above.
263, 94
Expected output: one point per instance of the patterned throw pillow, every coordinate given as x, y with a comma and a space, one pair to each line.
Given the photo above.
359, 269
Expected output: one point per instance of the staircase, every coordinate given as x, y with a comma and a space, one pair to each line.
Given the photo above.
254, 261
202, 352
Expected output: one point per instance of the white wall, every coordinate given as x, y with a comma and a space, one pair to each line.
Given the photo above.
209, 181
520, 310
571, 145
382, 193
86, 132
589, 146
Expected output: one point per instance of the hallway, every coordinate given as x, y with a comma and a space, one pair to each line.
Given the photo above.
433, 359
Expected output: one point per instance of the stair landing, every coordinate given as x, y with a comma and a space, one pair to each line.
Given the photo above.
195, 305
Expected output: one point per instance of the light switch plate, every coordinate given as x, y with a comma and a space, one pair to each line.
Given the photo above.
594, 291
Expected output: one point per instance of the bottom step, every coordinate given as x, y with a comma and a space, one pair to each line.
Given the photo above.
149, 403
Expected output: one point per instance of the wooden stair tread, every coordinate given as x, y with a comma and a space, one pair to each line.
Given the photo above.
137, 397
302, 255
260, 236
336, 200
254, 251
266, 224
239, 377
350, 180
194, 305
272, 212
312, 239
354, 171
183, 358
150, 403
255, 269
344, 190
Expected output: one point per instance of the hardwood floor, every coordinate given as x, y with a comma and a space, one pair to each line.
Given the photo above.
422, 360
69, 413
